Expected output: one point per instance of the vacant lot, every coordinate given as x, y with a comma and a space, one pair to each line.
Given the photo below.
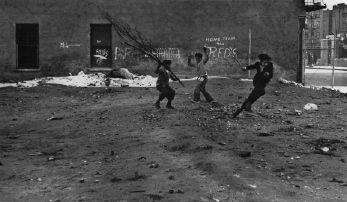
61, 143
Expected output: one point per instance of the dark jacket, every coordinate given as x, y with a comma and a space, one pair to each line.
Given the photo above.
260, 77
164, 76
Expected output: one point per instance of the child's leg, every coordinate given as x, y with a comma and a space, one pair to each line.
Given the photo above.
207, 96
163, 93
171, 93
257, 92
170, 96
197, 91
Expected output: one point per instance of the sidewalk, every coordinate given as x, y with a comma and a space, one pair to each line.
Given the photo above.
327, 67
321, 77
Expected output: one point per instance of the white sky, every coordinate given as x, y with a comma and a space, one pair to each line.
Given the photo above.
331, 3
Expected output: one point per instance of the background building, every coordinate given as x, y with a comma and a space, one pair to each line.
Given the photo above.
321, 28
339, 26
46, 37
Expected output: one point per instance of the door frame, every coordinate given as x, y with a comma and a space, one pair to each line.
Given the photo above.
91, 46
23, 68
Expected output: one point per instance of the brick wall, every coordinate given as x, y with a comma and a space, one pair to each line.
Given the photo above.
181, 27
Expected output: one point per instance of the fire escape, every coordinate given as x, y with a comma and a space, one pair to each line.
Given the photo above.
313, 5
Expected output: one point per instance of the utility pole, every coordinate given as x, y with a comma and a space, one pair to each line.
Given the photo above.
301, 66
249, 51
333, 53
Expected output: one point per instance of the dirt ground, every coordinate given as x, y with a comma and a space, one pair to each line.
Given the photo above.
61, 144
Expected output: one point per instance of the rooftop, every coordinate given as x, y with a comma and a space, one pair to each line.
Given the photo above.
313, 5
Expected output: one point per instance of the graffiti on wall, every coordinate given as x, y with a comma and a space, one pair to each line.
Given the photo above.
221, 41
122, 53
101, 55
220, 51
66, 45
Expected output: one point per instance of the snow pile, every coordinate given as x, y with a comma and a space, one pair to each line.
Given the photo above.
24, 84
93, 80
87, 80
282, 80
341, 89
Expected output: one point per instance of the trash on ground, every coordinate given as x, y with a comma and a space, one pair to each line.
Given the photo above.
54, 118
310, 106
325, 149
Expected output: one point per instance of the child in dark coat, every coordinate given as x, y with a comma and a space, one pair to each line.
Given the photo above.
262, 77
163, 84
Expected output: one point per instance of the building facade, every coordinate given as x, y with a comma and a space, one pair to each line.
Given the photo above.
326, 31
52, 38
339, 26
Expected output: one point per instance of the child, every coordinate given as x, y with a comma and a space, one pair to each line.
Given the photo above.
262, 77
163, 84
202, 76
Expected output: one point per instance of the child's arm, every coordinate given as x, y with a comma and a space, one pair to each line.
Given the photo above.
190, 64
254, 66
157, 69
207, 57
269, 73
173, 78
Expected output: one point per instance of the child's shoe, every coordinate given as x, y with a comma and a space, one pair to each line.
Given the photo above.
238, 111
170, 107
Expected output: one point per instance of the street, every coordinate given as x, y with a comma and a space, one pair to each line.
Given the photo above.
322, 76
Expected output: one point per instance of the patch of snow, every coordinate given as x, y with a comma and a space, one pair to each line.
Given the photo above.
92, 80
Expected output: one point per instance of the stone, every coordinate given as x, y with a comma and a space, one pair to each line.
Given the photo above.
245, 154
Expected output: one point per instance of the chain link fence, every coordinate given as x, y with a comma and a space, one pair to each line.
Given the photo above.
318, 61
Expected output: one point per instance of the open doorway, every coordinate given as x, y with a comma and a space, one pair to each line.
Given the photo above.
100, 51
27, 42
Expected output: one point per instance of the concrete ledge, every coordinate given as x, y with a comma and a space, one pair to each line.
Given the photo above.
27, 70
99, 69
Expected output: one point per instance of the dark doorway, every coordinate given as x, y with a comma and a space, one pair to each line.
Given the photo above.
101, 37
27, 41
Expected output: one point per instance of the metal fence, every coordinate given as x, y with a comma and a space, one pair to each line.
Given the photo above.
319, 62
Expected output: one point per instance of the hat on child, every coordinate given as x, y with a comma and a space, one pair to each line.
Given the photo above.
263, 57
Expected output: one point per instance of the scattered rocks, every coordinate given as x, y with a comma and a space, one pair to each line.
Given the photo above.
154, 165
115, 179
264, 132
204, 147
142, 158
279, 170
51, 158
285, 154
244, 154
336, 180
178, 191
154, 197
54, 118
137, 177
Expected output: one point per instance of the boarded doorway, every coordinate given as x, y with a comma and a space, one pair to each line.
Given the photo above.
27, 41
101, 38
